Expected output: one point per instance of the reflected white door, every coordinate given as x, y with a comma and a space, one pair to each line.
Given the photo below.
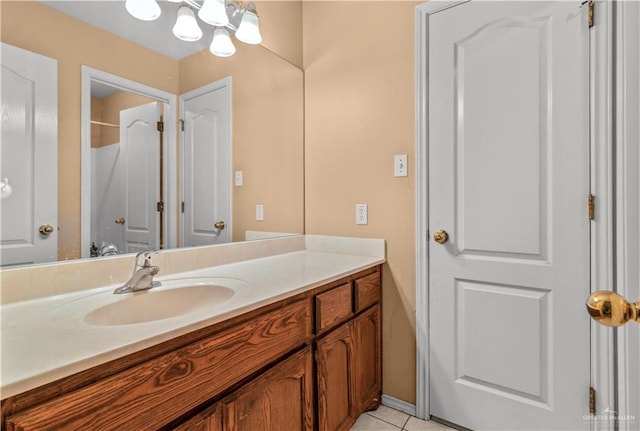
140, 153
508, 181
29, 154
206, 167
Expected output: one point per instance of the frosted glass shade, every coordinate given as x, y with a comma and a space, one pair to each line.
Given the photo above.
221, 44
186, 27
214, 12
249, 31
144, 10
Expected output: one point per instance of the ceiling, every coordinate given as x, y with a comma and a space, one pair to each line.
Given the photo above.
156, 35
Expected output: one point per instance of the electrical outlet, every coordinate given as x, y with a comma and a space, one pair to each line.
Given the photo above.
400, 165
238, 178
361, 214
259, 212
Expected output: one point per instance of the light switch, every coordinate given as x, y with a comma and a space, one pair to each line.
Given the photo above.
400, 165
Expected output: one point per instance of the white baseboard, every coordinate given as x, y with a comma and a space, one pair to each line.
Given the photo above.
397, 404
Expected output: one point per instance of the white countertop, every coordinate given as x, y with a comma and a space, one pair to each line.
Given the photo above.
46, 339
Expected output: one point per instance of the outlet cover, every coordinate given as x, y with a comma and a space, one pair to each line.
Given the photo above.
362, 215
259, 212
238, 178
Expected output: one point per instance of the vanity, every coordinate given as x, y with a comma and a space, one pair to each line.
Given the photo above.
296, 345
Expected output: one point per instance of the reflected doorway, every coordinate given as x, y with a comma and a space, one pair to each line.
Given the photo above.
128, 185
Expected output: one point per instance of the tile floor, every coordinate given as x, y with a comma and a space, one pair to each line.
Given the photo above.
388, 419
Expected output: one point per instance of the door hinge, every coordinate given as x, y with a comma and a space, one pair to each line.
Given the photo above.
160, 126
592, 401
160, 206
592, 207
182, 207
591, 18
182, 125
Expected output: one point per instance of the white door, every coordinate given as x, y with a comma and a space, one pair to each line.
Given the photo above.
508, 181
206, 167
140, 153
29, 154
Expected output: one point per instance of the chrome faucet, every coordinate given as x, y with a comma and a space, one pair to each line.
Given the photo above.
143, 272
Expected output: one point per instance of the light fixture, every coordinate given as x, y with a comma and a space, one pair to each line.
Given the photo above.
249, 31
145, 10
214, 12
221, 44
186, 27
225, 15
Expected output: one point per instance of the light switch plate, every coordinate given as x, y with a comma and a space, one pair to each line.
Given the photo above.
400, 165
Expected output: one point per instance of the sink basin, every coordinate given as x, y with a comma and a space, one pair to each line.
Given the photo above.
171, 299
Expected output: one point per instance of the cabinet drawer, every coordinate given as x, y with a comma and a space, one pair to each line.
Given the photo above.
367, 291
333, 307
139, 397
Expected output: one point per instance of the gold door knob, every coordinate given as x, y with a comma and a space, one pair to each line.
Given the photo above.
120, 220
611, 309
441, 236
220, 225
46, 229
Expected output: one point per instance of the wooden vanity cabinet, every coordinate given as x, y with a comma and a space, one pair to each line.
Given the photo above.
281, 399
348, 355
252, 372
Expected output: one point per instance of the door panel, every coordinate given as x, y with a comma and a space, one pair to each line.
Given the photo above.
509, 179
140, 141
29, 157
206, 169
518, 93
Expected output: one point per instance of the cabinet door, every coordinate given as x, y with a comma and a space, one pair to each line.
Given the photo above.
208, 420
280, 399
368, 364
336, 381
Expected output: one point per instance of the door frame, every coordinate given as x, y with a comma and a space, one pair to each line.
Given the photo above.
169, 148
207, 88
627, 189
602, 351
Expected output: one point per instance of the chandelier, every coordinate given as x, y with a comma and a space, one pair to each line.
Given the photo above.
224, 15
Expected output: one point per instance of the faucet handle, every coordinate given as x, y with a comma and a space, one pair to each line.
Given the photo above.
143, 259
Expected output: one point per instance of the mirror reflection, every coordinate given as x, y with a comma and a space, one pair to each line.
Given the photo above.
266, 131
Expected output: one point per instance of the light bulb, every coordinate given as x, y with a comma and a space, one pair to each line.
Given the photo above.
214, 12
248, 30
221, 44
144, 10
186, 27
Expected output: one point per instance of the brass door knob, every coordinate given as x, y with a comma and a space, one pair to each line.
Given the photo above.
441, 236
220, 225
611, 309
120, 220
46, 229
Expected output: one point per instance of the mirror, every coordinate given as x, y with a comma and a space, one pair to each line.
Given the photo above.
267, 108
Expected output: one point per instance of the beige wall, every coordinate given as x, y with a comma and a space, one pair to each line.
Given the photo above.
359, 112
37, 28
281, 28
267, 106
